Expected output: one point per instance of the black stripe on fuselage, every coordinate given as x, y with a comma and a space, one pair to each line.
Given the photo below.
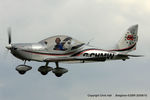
125, 49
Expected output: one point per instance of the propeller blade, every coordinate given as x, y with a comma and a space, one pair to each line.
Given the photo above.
9, 35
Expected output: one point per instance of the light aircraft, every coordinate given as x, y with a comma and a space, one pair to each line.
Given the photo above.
62, 48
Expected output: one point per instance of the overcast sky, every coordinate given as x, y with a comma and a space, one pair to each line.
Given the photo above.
103, 21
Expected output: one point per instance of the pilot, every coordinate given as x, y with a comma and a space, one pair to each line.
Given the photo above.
59, 45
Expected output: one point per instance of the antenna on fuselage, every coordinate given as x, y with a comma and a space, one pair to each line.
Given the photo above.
90, 41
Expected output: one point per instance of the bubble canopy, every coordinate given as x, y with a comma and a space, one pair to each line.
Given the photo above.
62, 42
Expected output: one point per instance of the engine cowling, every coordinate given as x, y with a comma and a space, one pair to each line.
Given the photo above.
59, 71
22, 69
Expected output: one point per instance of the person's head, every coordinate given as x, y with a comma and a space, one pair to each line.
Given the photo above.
57, 40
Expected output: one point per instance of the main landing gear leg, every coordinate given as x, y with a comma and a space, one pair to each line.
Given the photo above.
57, 65
24, 62
46, 65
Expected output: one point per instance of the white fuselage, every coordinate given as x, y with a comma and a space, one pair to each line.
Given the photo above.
37, 52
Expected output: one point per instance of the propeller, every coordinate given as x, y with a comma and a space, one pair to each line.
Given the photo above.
9, 35
9, 46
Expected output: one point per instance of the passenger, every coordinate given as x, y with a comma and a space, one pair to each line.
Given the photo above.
59, 45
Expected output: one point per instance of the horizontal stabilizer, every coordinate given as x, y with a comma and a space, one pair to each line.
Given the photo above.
128, 55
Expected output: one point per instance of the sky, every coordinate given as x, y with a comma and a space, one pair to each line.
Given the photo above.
101, 21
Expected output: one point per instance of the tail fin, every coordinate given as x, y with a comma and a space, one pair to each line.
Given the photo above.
129, 41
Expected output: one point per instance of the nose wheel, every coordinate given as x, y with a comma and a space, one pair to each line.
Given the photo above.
22, 69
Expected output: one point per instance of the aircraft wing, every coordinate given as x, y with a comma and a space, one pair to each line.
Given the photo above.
75, 59
58, 59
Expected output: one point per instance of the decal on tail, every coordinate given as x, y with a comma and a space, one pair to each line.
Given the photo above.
129, 41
